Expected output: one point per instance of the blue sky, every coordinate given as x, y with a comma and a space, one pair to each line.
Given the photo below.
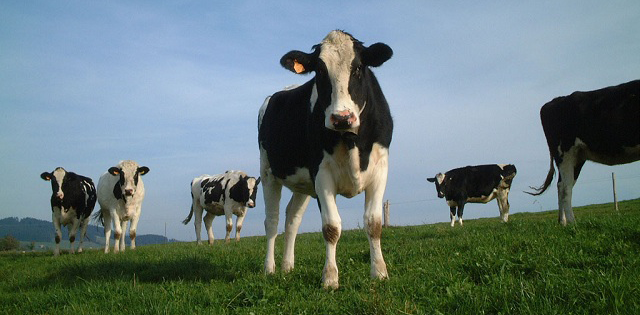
177, 86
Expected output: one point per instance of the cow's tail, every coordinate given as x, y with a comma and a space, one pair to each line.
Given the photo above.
185, 221
539, 190
98, 218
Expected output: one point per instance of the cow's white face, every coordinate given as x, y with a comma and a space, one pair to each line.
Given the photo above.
129, 175
59, 174
57, 180
341, 65
338, 55
438, 180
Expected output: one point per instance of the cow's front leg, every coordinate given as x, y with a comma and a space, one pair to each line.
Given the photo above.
503, 204
123, 228
452, 215
272, 191
331, 227
73, 231
228, 215
460, 212
239, 221
55, 217
374, 195
208, 220
295, 210
117, 233
133, 227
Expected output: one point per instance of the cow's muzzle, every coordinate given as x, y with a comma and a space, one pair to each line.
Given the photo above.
343, 120
251, 204
128, 192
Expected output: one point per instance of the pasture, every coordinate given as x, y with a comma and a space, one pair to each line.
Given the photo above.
531, 265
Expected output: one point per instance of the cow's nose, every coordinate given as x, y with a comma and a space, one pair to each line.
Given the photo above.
128, 192
343, 119
60, 195
251, 204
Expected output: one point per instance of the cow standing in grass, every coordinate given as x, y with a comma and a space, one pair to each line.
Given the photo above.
326, 137
120, 194
72, 201
475, 184
225, 194
602, 126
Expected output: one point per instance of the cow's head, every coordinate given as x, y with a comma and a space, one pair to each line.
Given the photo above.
439, 180
59, 179
245, 190
129, 173
343, 78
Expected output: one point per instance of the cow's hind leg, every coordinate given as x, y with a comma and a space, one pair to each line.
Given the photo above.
568, 171
197, 223
83, 232
295, 210
73, 231
272, 191
373, 225
208, 220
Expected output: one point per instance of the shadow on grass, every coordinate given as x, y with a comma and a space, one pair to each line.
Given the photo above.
144, 269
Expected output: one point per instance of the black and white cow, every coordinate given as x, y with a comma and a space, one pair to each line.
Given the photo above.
120, 194
602, 126
225, 194
72, 201
475, 184
328, 136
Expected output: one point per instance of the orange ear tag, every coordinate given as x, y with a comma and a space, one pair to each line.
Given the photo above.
297, 67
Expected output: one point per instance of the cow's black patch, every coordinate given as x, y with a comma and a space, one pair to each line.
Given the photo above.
213, 191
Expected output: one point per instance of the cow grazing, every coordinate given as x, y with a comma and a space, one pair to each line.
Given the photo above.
602, 126
72, 201
120, 194
328, 136
475, 184
225, 194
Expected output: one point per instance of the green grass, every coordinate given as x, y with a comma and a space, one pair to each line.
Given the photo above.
531, 265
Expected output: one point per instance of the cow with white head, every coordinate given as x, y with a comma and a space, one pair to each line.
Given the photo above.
120, 194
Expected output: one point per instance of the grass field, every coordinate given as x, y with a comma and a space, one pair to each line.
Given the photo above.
531, 265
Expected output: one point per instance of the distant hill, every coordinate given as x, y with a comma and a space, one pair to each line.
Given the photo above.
34, 230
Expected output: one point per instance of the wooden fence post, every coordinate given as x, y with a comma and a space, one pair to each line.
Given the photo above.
615, 196
385, 208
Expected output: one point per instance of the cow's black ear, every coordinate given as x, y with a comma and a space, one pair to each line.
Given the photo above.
376, 54
298, 62
143, 170
114, 171
46, 176
431, 179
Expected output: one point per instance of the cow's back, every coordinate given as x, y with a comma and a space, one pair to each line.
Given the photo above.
606, 120
472, 181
